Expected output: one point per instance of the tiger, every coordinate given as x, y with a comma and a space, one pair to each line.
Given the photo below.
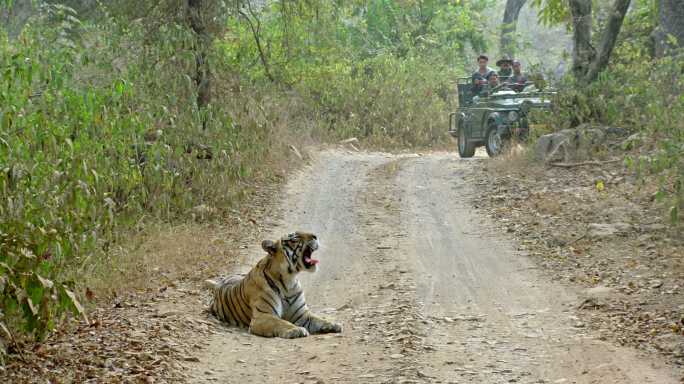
269, 300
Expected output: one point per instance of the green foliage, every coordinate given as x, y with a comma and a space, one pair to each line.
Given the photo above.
38, 300
97, 133
32, 239
636, 41
552, 11
376, 69
403, 101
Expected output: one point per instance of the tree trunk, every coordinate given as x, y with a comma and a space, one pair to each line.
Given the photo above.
202, 41
584, 52
671, 23
587, 62
509, 26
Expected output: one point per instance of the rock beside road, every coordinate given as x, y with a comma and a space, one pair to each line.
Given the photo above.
574, 144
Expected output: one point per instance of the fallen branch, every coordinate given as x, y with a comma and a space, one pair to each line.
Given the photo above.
571, 165
296, 152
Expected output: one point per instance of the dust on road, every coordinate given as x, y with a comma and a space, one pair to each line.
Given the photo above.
427, 291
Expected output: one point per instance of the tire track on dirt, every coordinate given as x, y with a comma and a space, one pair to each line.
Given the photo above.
359, 283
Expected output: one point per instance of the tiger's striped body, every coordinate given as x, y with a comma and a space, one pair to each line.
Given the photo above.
269, 299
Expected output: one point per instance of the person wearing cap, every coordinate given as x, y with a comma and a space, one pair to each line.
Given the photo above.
481, 76
517, 79
504, 65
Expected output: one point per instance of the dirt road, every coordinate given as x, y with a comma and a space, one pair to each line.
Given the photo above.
426, 290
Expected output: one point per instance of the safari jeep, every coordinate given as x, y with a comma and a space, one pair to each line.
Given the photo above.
494, 117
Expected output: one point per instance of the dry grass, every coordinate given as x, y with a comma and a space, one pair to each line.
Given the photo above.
163, 256
516, 158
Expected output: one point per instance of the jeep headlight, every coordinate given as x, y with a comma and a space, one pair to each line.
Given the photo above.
513, 116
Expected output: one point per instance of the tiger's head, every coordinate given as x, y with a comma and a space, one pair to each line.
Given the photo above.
294, 251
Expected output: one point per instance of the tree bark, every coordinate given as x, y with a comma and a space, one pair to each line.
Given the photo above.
510, 23
587, 62
670, 23
202, 41
584, 52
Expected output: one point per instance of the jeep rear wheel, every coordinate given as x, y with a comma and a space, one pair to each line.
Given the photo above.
465, 148
494, 142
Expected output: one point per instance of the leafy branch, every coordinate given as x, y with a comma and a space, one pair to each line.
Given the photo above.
255, 26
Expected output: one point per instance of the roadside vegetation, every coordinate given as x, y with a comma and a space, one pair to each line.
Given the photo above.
121, 116
635, 85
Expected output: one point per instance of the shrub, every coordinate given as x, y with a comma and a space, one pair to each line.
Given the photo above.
96, 134
645, 97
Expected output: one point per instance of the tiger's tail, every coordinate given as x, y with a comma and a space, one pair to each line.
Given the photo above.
211, 285
216, 284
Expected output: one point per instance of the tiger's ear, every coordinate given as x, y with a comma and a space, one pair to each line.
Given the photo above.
269, 246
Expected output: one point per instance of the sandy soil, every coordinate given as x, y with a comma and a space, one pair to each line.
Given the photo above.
427, 290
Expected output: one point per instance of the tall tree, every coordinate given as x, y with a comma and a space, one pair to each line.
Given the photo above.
671, 24
588, 62
509, 26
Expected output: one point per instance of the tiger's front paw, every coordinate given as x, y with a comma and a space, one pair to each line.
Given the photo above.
294, 333
331, 328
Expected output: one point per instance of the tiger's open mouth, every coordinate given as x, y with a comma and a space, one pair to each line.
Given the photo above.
307, 259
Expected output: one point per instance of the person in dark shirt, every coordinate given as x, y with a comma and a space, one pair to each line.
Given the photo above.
518, 79
481, 76
505, 70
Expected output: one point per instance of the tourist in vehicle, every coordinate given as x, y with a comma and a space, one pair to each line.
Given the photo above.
493, 80
493, 83
504, 65
481, 76
518, 79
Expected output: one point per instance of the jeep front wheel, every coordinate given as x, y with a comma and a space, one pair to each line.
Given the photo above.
465, 148
494, 142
